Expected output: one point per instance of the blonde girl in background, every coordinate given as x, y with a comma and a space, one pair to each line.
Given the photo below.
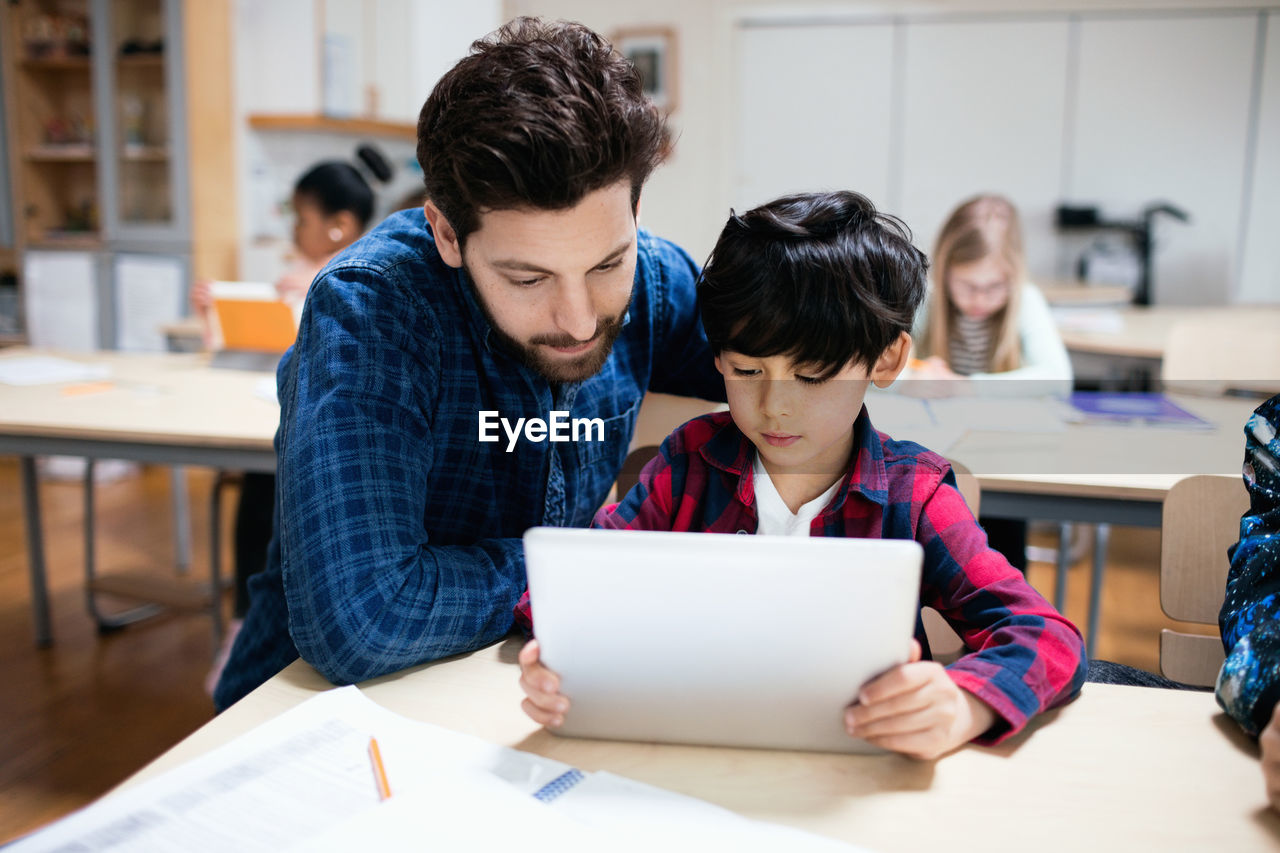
983, 318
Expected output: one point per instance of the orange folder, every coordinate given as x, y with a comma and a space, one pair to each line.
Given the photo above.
253, 318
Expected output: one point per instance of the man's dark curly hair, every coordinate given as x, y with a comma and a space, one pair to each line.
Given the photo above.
537, 115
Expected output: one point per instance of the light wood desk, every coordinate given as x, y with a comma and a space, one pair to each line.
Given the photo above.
1082, 293
1122, 768
1144, 330
1103, 475
159, 407
1097, 474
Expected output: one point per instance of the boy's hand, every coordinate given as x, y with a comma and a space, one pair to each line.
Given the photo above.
542, 689
916, 709
1269, 740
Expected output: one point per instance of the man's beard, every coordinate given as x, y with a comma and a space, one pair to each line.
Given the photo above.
557, 371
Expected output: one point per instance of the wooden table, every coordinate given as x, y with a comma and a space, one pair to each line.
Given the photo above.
1122, 768
1097, 474
1144, 329
1103, 475
1083, 293
157, 407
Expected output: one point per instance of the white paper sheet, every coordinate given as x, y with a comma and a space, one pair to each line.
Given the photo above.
1097, 320
149, 294
60, 292
265, 389
257, 291
1004, 414
304, 781
898, 414
47, 370
653, 818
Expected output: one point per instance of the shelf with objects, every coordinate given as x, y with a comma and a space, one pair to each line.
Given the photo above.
53, 124
121, 190
108, 169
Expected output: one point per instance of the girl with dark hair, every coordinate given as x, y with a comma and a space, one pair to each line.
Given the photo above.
332, 204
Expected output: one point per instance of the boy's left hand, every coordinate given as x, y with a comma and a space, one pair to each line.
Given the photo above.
916, 709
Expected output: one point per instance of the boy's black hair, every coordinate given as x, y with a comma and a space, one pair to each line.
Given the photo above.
822, 278
337, 186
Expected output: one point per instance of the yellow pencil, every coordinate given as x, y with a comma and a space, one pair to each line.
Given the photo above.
379, 772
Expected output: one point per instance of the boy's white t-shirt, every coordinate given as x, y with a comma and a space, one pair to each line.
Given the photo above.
776, 518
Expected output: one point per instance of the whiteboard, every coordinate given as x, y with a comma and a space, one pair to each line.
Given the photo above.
802, 126
1260, 268
983, 111
1162, 113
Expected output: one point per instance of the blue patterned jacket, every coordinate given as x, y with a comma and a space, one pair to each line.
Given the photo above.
1249, 683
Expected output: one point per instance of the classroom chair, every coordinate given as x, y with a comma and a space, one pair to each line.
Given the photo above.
1201, 521
153, 592
631, 467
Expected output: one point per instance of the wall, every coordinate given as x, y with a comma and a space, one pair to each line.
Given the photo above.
397, 47
688, 198
1102, 106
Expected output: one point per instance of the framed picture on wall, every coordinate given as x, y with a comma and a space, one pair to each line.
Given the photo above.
652, 50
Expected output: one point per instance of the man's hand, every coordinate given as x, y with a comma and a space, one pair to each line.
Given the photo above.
541, 686
916, 709
1269, 740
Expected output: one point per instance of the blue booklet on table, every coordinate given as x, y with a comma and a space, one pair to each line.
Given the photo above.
1137, 408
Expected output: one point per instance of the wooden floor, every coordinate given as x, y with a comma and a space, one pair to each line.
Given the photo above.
77, 718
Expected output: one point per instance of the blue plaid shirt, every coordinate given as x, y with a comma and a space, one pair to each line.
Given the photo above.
397, 530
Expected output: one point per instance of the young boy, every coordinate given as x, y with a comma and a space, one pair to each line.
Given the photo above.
806, 301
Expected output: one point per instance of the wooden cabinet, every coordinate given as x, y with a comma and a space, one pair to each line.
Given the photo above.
98, 95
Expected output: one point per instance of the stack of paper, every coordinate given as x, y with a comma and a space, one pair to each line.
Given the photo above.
48, 370
304, 781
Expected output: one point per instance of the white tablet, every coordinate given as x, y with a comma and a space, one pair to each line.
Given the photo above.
718, 639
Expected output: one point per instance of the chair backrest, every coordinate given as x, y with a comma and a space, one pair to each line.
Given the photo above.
1201, 520
944, 643
631, 467
659, 415
1215, 354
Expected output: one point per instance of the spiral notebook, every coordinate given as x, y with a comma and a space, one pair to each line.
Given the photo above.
1133, 408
